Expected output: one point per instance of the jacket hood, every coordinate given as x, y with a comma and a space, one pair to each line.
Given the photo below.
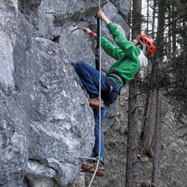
143, 59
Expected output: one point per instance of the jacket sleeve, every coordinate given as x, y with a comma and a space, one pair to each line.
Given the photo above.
112, 50
126, 46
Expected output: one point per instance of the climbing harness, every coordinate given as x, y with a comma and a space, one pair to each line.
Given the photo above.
98, 67
113, 75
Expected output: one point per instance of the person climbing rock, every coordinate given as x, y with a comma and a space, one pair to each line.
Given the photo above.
130, 57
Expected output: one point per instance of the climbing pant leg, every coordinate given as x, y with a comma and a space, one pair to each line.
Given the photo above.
89, 76
110, 98
96, 131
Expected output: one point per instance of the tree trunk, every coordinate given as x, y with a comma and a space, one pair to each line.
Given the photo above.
147, 30
159, 59
174, 33
169, 30
157, 144
149, 124
154, 13
132, 138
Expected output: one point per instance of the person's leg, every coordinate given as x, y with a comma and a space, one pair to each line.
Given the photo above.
96, 131
91, 167
111, 97
89, 76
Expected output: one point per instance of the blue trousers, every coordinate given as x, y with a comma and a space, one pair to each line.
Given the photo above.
89, 76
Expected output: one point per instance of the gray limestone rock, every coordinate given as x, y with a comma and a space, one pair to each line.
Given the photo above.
9, 18
13, 142
13, 126
6, 65
45, 120
123, 6
37, 181
8, 26
35, 168
58, 133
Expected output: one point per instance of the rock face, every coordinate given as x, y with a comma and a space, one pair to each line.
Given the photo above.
45, 119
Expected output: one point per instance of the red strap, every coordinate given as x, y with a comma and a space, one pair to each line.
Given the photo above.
92, 33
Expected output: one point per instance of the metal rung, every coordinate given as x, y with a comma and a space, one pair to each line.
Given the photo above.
90, 158
87, 158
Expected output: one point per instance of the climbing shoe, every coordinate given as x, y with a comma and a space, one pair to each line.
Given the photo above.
90, 168
94, 103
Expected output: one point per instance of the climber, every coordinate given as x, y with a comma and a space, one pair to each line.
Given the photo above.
130, 57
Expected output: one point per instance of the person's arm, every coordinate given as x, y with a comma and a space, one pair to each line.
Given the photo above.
126, 46
121, 41
112, 50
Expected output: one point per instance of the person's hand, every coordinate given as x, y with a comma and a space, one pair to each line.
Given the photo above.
101, 15
87, 30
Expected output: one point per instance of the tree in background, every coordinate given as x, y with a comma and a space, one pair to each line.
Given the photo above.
176, 66
165, 20
159, 57
132, 137
168, 74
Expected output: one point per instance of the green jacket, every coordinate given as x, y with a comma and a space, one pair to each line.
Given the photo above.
128, 57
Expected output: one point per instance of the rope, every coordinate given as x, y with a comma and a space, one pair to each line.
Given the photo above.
98, 63
99, 4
